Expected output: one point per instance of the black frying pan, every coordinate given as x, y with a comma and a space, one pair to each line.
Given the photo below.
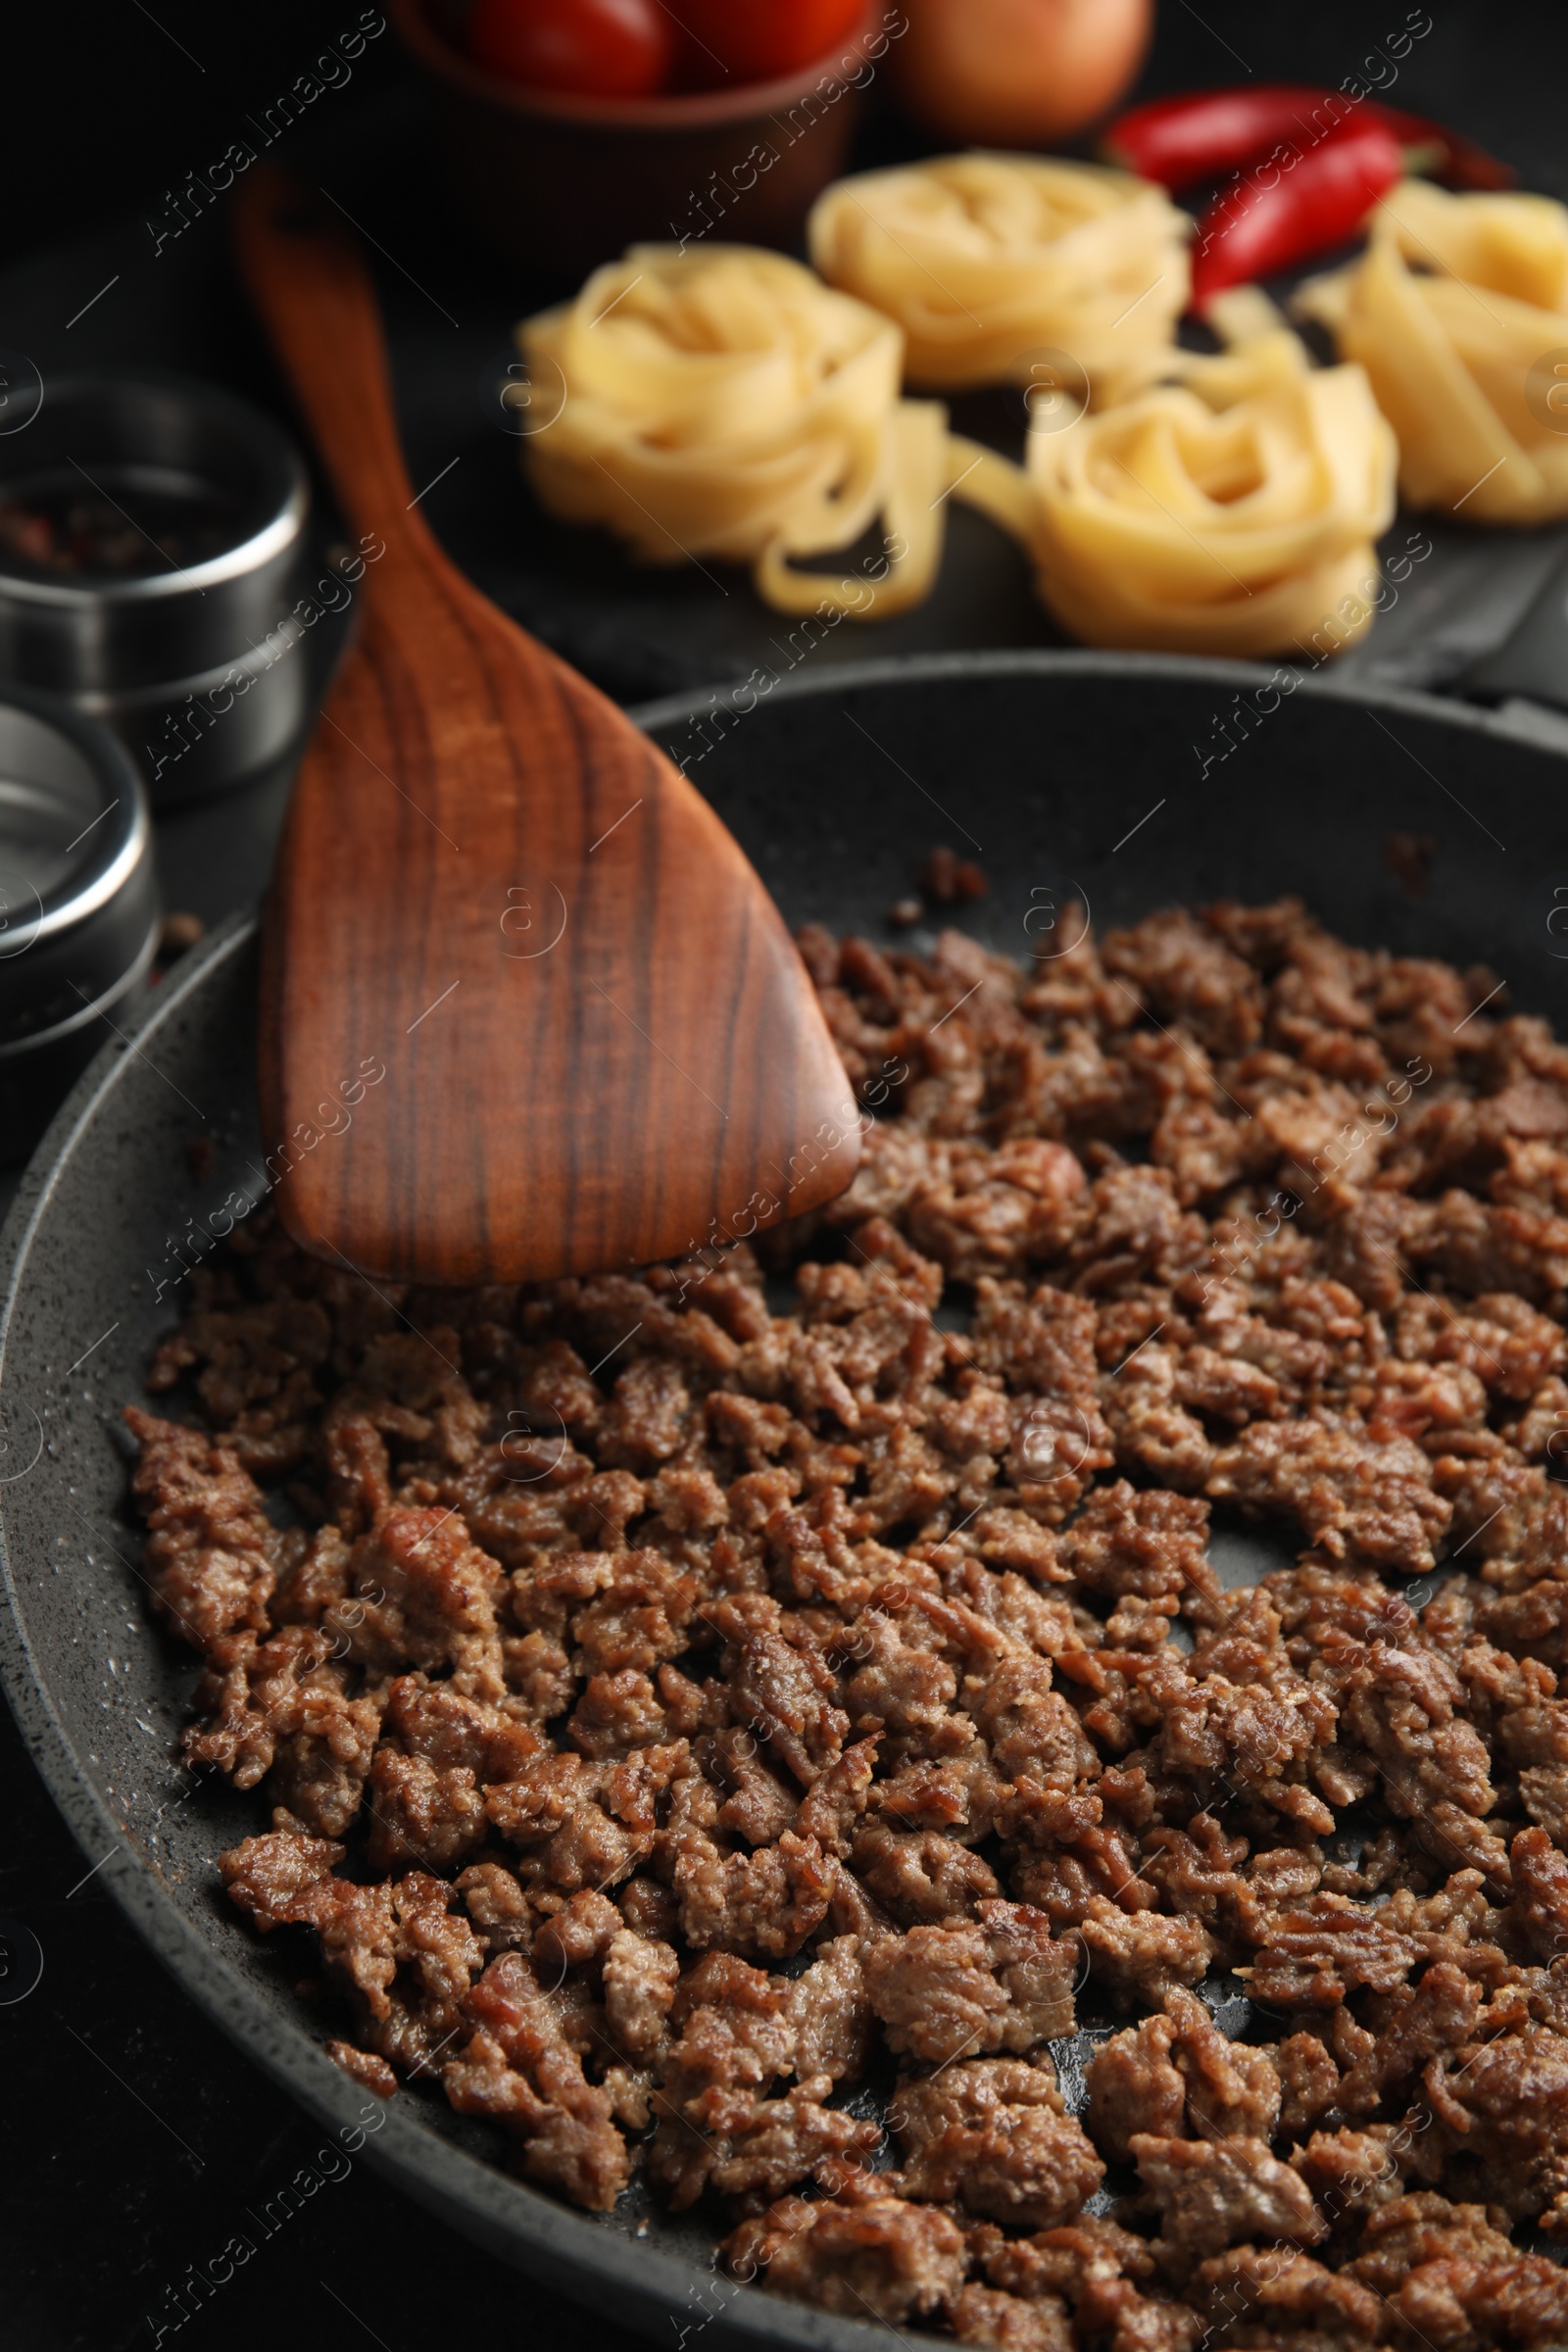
1074, 779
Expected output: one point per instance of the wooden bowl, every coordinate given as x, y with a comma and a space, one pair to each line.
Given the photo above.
568, 182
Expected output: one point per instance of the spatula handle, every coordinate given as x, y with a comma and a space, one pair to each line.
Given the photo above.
304, 270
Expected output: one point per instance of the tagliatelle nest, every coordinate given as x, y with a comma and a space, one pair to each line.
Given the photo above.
985, 261
1459, 311
1234, 511
723, 404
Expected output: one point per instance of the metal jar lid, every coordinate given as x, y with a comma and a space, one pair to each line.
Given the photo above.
208, 500
78, 901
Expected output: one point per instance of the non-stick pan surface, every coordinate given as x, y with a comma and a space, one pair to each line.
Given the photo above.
1074, 780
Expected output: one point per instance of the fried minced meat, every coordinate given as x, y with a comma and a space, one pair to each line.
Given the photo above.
733, 1745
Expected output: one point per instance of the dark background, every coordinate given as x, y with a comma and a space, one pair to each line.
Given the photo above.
103, 110
135, 2137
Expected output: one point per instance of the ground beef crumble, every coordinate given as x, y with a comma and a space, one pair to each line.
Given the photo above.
808, 1759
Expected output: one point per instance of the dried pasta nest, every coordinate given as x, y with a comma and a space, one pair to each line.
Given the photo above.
986, 261
1458, 311
1232, 512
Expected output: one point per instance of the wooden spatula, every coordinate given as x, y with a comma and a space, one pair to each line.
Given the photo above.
599, 1044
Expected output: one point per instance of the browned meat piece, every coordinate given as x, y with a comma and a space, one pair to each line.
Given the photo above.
736, 2035
1073, 2262
639, 1617
904, 1691
260, 1379
620, 1713
1195, 1871
424, 1595
650, 1418
1146, 1544
1178, 2075
427, 1796
765, 1903
1350, 2175
372, 2074
1134, 2087
782, 1694
1400, 1707
998, 1983
1100, 2270
1329, 1947
1186, 974
1137, 1957
759, 1806
1151, 1427
1530, 1623
584, 1824
833, 1804
1248, 1736
310, 1580
520, 2070
1505, 1342
1310, 2083
1211, 2194
831, 2017
998, 1212
992, 2134
1353, 1497
1541, 1893
434, 1720
577, 1936
402, 1958
1366, 1248
917, 1874
1479, 1249
498, 1906
1264, 2296
1436, 2017
1131, 1229
1040, 1340
1456, 2282
1499, 2106
271, 1877
984, 2316
641, 1975
421, 1812
1206, 1147
279, 1708
211, 1550
893, 2261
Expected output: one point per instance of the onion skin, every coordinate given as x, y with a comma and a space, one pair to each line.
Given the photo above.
1017, 73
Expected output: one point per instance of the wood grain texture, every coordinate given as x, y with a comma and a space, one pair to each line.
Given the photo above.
599, 1046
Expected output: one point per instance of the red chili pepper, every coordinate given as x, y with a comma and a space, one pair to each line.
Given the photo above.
1204, 134
1461, 163
1292, 205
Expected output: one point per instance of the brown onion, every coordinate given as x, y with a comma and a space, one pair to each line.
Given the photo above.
1018, 72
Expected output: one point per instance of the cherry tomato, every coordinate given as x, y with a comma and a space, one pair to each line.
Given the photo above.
599, 48
753, 40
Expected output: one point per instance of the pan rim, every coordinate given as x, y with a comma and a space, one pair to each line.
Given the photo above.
1083, 662
587, 2259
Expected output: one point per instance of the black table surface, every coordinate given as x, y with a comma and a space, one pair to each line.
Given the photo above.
137, 2138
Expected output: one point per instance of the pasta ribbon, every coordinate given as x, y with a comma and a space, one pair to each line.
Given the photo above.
988, 261
1458, 311
1232, 512
722, 403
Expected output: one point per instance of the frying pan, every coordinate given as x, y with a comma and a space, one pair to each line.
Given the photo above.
1076, 780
